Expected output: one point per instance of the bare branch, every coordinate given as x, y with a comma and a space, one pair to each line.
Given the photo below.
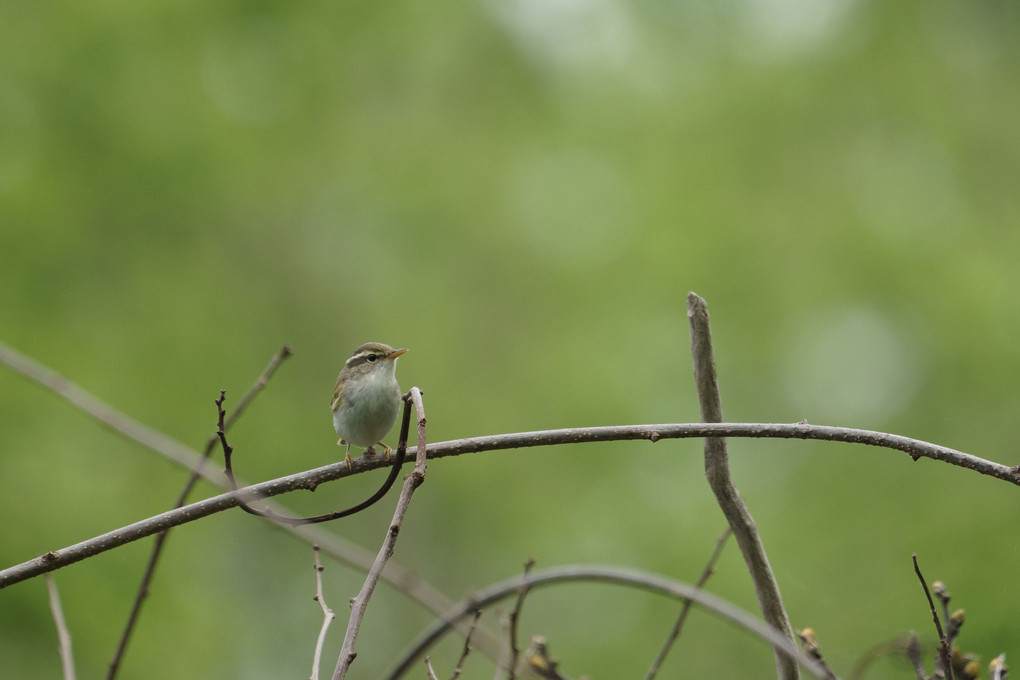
596, 573
63, 634
915, 448
311, 479
686, 608
515, 615
945, 655
717, 469
360, 603
430, 670
467, 645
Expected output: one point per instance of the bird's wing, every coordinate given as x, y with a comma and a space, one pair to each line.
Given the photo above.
335, 404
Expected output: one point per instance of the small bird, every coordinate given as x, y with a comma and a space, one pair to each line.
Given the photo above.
367, 397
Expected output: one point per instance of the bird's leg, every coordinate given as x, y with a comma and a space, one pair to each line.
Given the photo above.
347, 459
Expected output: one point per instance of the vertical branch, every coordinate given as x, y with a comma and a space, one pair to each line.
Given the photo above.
944, 668
63, 634
411, 482
717, 469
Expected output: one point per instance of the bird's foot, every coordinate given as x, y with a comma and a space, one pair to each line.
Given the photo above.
387, 451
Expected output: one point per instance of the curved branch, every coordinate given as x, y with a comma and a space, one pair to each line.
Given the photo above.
272, 515
310, 479
618, 576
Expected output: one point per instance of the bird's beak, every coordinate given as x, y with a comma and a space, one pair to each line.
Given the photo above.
395, 353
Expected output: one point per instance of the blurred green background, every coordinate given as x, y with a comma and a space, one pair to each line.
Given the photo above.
522, 192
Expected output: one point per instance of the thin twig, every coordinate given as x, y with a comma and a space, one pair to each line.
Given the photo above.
685, 609
515, 615
945, 654
196, 474
63, 634
310, 479
582, 573
467, 645
431, 671
411, 483
717, 469
327, 615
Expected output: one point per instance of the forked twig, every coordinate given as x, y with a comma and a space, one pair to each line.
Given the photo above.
411, 483
327, 615
717, 470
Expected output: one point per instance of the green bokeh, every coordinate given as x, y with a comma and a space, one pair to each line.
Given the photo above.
521, 192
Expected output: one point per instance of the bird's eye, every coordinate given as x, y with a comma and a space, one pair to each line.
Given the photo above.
372, 357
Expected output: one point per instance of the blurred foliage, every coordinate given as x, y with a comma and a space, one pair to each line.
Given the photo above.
522, 192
